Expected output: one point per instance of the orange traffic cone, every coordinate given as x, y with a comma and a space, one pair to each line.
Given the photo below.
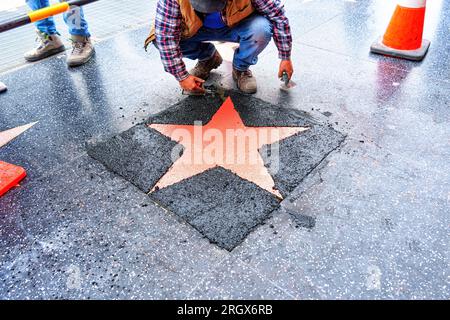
10, 176
403, 37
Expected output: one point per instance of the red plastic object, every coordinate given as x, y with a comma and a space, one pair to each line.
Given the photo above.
10, 176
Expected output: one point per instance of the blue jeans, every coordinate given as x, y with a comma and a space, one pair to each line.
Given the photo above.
253, 35
74, 19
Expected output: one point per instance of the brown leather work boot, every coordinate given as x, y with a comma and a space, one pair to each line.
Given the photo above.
203, 69
245, 81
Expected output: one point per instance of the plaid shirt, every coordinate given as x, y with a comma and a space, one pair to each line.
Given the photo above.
168, 32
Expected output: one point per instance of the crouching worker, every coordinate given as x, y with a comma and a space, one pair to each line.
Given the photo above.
182, 28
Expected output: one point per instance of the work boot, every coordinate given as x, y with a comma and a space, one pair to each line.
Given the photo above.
203, 69
82, 51
3, 87
48, 46
245, 81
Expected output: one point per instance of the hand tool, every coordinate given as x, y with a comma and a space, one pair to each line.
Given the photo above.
286, 83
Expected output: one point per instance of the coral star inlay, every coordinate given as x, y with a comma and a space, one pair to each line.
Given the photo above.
225, 141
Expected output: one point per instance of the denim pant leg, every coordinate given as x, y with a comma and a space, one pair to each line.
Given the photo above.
194, 48
74, 19
47, 25
254, 34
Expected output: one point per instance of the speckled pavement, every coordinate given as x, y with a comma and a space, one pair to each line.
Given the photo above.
369, 222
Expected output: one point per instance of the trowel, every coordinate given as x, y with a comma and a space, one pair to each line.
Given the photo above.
209, 90
196, 93
286, 84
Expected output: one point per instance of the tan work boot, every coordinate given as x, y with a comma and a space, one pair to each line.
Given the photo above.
82, 51
245, 81
203, 69
48, 46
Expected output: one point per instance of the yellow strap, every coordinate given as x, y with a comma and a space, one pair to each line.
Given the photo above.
48, 11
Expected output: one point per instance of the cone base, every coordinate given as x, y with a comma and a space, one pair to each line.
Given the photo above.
414, 55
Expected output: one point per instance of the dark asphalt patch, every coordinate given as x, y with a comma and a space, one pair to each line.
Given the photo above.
259, 113
219, 204
299, 155
189, 110
253, 111
140, 155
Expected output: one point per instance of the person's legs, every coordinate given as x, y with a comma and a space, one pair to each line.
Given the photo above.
195, 49
76, 22
82, 48
46, 26
253, 34
49, 42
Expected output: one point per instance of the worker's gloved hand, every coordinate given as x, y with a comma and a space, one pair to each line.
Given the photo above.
286, 65
193, 84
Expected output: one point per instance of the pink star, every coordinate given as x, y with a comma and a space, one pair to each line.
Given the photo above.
223, 142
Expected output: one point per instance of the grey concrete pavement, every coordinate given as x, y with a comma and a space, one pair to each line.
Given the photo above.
369, 222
